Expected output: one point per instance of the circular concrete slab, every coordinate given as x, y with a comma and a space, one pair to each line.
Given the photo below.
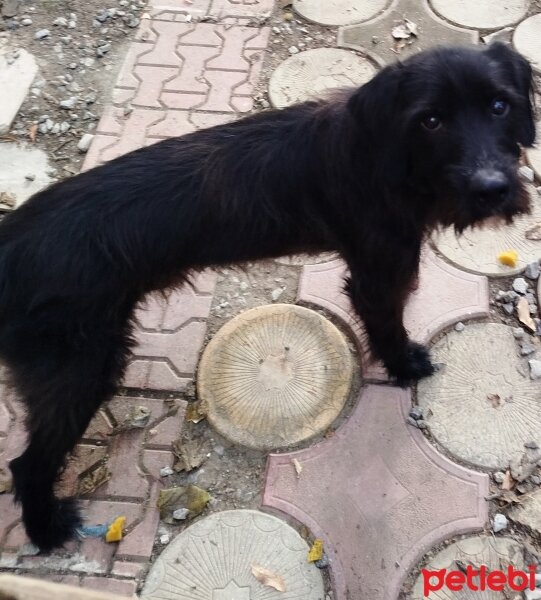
339, 12
215, 556
477, 250
483, 14
308, 74
481, 406
496, 553
275, 376
527, 40
534, 157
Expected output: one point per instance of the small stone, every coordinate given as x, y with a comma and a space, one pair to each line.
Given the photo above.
460, 326
506, 297
526, 349
535, 479
508, 309
166, 471
69, 103
56, 128
219, 450
64, 126
520, 285
499, 523
181, 514
26, 21
165, 539
60, 22
498, 476
416, 413
518, 333
530, 297
526, 173
102, 50
418, 423
293, 50
84, 142
532, 270
42, 34
535, 369
538, 189
276, 293
323, 562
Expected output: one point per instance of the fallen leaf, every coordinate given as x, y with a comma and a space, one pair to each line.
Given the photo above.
190, 454
505, 498
494, 400
191, 497
7, 199
298, 467
400, 32
92, 480
268, 578
6, 483
508, 482
411, 27
195, 412
137, 418
32, 132
534, 233
523, 310
316, 551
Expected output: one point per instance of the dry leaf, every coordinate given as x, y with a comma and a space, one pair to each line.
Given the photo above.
6, 482
298, 467
190, 454
32, 132
508, 482
268, 578
523, 310
316, 551
195, 412
91, 481
494, 400
505, 498
412, 27
7, 199
191, 497
534, 233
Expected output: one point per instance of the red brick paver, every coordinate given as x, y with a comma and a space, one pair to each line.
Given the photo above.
445, 295
378, 494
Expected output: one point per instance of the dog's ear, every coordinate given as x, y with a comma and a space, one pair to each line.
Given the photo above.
376, 109
520, 72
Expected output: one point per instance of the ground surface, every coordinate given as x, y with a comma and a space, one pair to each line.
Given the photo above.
384, 490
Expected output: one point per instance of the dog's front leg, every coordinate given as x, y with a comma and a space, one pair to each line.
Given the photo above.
378, 292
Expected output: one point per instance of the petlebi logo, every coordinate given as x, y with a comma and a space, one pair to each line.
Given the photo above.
478, 579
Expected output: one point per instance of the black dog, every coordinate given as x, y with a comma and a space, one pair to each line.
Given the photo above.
433, 141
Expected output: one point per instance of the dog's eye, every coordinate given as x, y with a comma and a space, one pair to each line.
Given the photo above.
499, 107
431, 122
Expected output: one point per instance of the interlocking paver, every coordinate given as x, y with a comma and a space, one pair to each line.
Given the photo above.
378, 494
432, 32
445, 295
176, 10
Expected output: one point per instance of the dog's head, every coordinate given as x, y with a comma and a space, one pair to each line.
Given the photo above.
447, 127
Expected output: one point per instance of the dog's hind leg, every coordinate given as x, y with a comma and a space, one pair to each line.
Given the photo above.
60, 404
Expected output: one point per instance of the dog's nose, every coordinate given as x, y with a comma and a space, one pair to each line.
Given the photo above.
489, 185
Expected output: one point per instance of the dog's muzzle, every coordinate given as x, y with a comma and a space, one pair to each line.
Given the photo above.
490, 187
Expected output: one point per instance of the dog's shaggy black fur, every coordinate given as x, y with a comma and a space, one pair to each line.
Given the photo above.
432, 141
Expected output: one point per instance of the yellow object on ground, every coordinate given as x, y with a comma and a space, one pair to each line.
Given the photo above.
316, 551
509, 258
114, 533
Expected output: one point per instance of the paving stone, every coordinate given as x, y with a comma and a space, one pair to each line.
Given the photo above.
534, 159
308, 74
177, 10
16, 162
445, 296
480, 406
15, 81
432, 32
529, 512
274, 376
483, 14
339, 12
527, 40
121, 587
477, 250
378, 495
215, 556
496, 553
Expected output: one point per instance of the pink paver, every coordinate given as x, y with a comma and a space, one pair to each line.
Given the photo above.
378, 494
177, 10
445, 296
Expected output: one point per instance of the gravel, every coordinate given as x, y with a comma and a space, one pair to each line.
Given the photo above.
532, 270
499, 523
535, 368
520, 285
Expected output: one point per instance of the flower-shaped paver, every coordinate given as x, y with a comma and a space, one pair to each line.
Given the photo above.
307, 75
482, 405
377, 493
339, 12
527, 40
445, 295
477, 250
534, 159
482, 14
375, 39
215, 558
496, 553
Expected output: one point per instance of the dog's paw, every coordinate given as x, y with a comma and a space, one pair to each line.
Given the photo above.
54, 527
414, 366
